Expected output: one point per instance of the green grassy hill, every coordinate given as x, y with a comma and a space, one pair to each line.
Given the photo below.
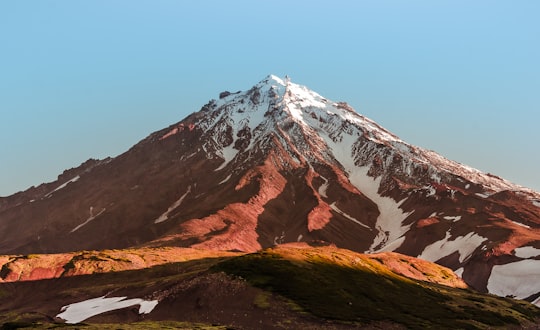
368, 292
288, 287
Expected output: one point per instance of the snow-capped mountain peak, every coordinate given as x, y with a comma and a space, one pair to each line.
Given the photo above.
281, 99
239, 121
280, 163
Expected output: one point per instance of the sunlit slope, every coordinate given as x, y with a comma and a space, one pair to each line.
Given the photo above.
341, 285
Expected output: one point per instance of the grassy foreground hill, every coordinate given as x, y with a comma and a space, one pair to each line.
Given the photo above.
287, 287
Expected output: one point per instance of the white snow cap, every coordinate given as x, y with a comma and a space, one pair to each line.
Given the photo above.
332, 127
273, 79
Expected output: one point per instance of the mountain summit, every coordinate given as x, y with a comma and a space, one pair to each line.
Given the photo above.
276, 164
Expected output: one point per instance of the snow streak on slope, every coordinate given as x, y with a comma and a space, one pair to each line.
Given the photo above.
92, 217
336, 209
175, 205
62, 186
527, 252
464, 245
228, 153
389, 222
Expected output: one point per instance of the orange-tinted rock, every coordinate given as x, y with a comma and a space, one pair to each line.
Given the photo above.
319, 217
426, 222
46, 266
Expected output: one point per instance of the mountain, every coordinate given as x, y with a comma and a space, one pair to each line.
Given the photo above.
276, 164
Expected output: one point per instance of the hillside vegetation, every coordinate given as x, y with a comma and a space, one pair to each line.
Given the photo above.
288, 287
339, 285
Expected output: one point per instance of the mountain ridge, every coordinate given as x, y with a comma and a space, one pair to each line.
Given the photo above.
272, 288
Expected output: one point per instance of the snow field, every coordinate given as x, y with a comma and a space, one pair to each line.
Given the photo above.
78, 312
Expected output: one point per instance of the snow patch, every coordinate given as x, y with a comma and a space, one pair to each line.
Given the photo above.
322, 189
62, 186
92, 217
518, 279
174, 206
189, 156
467, 186
482, 195
453, 218
389, 222
393, 245
464, 245
527, 252
228, 153
431, 191
336, 209
279, 239
78, 312
459, 272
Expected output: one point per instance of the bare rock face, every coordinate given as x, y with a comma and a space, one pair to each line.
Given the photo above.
278, 164
49, 266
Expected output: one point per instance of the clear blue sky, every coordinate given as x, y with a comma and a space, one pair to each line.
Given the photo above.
88, 79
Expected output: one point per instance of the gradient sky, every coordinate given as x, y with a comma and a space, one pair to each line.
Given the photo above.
88, 79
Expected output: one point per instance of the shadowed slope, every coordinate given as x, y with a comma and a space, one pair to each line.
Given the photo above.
287, 287
340, 285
